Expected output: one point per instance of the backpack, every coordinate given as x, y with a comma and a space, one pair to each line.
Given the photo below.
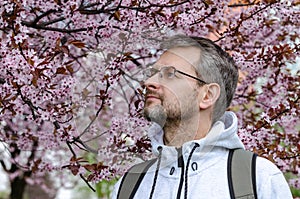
241, 167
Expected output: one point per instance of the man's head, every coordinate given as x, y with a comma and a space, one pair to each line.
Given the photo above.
200, 67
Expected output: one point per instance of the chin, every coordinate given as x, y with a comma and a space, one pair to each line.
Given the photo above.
151, 104
155, 113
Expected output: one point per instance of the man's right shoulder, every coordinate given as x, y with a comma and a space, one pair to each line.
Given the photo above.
133, 176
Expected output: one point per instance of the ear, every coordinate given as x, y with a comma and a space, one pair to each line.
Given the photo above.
210, 95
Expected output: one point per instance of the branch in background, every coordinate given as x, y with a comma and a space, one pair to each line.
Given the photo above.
275, 116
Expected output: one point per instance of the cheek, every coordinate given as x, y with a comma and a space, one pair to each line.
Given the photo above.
174, 99
184, 99
177, 93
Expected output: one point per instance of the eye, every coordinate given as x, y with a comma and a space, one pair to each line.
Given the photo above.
168, 73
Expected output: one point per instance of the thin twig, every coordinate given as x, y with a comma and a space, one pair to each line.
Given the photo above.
97, 113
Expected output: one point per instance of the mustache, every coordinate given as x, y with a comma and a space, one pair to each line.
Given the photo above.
153, 93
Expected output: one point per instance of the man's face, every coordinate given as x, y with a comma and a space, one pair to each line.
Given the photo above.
176, 98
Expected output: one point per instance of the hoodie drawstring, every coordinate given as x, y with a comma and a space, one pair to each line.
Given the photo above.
156, 171
186, 170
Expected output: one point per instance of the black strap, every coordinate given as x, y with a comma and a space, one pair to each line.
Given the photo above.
241, 168
132, 179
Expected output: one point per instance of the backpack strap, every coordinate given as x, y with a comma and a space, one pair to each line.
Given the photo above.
132, 179
241, 169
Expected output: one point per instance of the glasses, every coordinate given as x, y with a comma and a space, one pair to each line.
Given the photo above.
167, 73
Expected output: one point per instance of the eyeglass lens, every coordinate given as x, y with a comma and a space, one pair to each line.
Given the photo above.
167, 72
164, 72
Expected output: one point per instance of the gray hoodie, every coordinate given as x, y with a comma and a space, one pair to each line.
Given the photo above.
199, 168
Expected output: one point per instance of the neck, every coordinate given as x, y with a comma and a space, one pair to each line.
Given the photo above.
177, 132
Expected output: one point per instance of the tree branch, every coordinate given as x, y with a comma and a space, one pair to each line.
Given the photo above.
98, 111
275, 116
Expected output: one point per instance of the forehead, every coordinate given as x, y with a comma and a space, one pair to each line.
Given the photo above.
180, 58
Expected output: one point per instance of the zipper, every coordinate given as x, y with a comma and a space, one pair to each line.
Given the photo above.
180, 164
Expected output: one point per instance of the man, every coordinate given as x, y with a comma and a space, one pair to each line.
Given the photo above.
187, 92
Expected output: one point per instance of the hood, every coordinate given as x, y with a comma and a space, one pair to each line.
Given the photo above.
223, 134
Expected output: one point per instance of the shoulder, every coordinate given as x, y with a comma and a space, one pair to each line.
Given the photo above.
265, 166
270, 181
116, 187
131, 178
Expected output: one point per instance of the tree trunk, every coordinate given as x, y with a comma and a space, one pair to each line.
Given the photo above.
17, 188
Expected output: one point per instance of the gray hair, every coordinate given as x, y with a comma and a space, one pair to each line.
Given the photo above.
215, 65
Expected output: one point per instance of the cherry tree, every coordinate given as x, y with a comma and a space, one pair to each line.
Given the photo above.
69, 82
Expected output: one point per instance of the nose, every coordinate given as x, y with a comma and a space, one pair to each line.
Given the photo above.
152, 83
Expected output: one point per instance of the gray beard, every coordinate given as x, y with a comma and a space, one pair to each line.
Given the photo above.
156, 114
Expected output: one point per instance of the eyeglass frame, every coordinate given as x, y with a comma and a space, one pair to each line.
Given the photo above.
175, 70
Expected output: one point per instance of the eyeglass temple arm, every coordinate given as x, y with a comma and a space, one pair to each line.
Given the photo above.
200, 80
